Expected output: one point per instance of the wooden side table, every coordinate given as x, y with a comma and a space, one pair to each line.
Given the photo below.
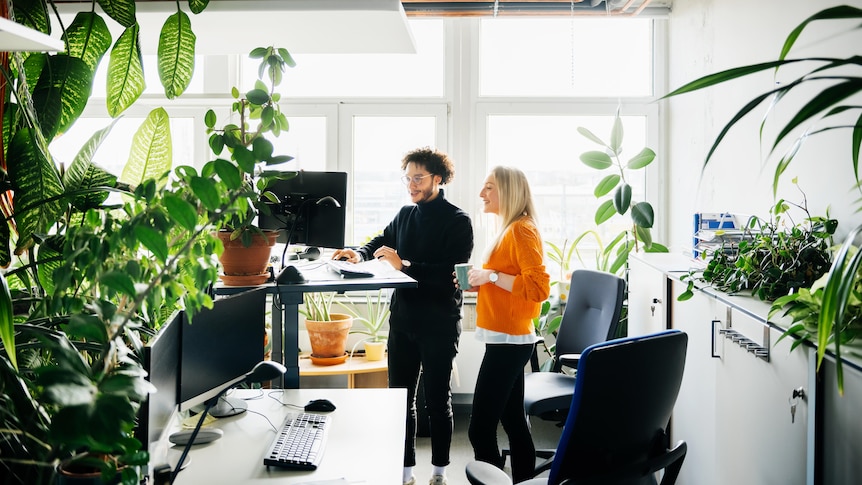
361, 373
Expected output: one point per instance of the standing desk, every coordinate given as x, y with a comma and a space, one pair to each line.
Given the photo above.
287, 298
365, 443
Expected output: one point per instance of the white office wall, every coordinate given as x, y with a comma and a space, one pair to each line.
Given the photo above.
707, 36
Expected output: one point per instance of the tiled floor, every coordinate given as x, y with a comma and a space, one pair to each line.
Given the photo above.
545, 435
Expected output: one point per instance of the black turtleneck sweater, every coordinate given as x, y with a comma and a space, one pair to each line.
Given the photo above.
433, 236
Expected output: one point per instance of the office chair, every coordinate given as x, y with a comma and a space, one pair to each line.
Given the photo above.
616, 429
591, 315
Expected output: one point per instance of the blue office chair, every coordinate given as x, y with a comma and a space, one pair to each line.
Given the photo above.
591, 315
616, 429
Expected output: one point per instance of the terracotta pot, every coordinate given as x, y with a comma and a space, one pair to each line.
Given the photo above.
375, 350
246, 265
329, 339
81, 473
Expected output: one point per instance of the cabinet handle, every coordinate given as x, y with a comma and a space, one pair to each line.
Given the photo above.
712, 339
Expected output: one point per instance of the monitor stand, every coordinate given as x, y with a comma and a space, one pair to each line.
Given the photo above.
228, 406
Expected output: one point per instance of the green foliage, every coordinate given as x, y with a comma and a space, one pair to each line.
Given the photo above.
318, 306
89, 283
773, 259
374, 317
247, 145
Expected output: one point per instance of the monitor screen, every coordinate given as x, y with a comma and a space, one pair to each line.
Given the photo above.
162, 363
312, 211
219, 346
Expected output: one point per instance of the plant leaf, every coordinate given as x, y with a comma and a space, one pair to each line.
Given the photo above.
7, 325
623, 198
604, 212
176, 54
125, 72
606, 185
596, 159
643, 214
642, 159
83, 174
88, 38
151, 153
123, 12
61, 93
37, 201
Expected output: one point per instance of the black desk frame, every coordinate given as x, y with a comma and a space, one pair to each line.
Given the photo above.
285, 311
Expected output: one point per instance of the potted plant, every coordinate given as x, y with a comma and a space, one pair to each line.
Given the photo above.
373, 319
327, 331
773, 258
247, 247
826, 85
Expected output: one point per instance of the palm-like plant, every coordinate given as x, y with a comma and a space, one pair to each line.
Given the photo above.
829, 84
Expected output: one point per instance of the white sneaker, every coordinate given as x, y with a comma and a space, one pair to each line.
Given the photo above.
412, 481
438, 480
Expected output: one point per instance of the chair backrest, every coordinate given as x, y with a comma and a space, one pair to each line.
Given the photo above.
592, 312
624, 395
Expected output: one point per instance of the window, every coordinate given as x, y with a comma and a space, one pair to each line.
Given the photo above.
584, 57
354, 75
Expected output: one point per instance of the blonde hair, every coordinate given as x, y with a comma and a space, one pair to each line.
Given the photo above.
516, 201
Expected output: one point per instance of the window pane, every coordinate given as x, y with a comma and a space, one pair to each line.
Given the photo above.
566, 57
305, 141
379, 145
548, 149
387, 75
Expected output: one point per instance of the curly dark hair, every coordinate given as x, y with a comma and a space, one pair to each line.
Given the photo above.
435, 161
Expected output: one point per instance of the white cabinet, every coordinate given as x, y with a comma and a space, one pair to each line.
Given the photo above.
758, 439
646, 299
694, 417
734, 406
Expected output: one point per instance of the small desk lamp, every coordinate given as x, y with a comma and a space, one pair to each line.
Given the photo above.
266, 370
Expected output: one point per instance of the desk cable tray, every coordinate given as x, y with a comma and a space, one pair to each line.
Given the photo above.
300, 442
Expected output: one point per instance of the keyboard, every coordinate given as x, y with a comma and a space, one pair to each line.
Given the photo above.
299, 442
347, 270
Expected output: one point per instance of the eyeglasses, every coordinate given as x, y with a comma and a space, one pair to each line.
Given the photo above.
416, 179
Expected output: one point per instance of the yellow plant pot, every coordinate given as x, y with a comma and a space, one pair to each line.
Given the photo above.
374, 350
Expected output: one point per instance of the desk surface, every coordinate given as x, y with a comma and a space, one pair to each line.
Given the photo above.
320, 278
360, 450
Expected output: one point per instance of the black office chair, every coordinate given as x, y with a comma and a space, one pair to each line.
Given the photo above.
591, 315
616, 430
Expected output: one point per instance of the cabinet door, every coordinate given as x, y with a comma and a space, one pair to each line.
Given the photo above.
757, 438
646, 299
694, 414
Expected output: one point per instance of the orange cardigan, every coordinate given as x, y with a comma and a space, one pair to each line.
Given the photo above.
520, 254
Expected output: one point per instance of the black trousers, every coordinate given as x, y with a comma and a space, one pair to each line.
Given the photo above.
499, 399
433, 355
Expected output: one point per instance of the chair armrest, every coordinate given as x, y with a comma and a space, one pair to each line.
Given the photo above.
481, 473
570, 360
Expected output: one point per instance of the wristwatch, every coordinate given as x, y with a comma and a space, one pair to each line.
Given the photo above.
493, 277
405, 263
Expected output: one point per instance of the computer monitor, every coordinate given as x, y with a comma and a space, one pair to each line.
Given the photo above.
312, 209
219, 346
162, 363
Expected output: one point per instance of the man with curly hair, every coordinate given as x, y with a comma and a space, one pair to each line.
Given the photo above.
425, 240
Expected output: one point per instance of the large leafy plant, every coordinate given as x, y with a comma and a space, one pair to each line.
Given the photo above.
88, 286
617, 194
827, 86
247, 144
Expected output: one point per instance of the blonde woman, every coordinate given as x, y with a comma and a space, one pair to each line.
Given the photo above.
511, 286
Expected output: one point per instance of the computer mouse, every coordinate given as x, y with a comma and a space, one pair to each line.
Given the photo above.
289, 275
320, 405
343, 258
